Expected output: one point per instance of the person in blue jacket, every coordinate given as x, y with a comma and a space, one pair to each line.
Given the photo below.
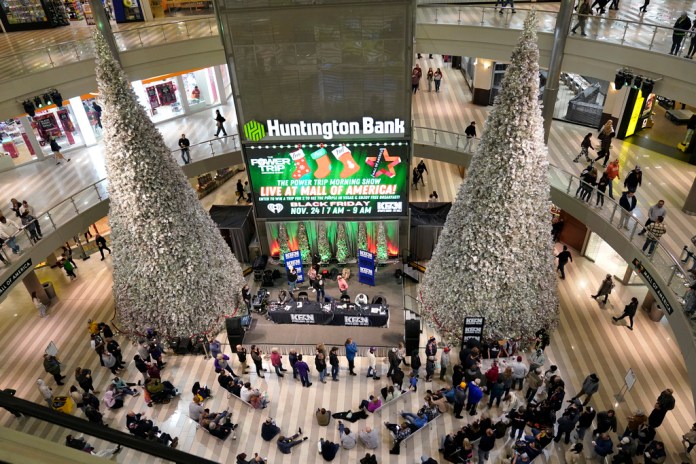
475, 395
351, 351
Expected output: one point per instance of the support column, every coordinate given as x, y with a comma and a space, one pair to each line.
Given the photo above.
184, 95
690, 202
31, 139
51, 260
219, 82
483, 82
560, 33
102, 22
33, 284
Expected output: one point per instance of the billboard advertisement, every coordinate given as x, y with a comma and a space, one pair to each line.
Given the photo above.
310, 180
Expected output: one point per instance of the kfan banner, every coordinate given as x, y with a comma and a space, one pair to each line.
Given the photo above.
366, 267
293, 259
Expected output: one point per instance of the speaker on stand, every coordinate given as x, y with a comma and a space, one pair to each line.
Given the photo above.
235, 331
411, 335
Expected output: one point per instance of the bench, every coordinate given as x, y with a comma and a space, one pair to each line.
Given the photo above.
390, 402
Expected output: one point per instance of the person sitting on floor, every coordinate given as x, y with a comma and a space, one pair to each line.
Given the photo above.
418, 420
156, 435
390, 393
253, 396
122, 387
222, 427
350, 416
203, 393
328, 449
369, 438
79, 443
323, 417
285, 445
196, 409
269, 429
348, 439
159, 391
372, 405
112, 399
400, 432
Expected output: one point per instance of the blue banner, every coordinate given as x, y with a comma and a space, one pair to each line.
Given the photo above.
366, 267
294, 259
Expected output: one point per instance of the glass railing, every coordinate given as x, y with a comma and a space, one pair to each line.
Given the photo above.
209, 148
637, 34
61, 54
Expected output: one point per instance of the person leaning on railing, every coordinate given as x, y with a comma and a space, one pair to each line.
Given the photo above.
681, 26
8, 232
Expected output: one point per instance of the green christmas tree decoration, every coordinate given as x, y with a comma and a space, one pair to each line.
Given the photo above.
494, 257
303, 243
362, 236
382, 252
342, 253
172, 271
324, 249
283, 241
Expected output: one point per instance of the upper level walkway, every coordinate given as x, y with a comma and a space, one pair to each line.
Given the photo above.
147, 51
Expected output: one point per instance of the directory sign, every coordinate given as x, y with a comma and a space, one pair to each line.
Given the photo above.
329, 179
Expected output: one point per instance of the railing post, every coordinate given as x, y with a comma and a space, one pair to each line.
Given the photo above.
570, 184
459, 18
458, 138
435, 139
187, 30
436, 15
48, 215
671, 276
653, 39
97, 190
50, 59
613, 213
210, 26
212, 148
633, 232
140, 39
74, 205
623, 38
483, 15
164, 36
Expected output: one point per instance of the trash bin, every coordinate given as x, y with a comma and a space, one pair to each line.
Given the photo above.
50, 291
656, 312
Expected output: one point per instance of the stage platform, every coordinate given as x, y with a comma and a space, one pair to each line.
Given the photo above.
304, 337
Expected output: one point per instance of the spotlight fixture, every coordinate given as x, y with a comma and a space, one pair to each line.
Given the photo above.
47, 99
38, 102
628, 77
648, 85
619, 80
638, 81
56, 97
29, 108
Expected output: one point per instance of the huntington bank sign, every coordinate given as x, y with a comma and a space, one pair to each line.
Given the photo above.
255, 131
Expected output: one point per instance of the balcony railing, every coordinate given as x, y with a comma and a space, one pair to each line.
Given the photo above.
637, 34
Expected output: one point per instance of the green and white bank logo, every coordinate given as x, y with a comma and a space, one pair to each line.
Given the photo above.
254, 131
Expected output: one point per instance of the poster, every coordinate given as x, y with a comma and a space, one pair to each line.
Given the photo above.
328, 180
473, 329
366, 267
67, 125
294, 259
152, 97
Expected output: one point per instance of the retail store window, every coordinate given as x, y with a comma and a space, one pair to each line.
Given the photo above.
603, 255
201, 88
59, 123
161, 98
16, 149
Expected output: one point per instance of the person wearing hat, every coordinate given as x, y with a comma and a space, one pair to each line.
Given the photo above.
444, 362
459, 399
372, 363
627, 449
475, 396
590, 386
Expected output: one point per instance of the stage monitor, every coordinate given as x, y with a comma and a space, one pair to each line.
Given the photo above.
330, 179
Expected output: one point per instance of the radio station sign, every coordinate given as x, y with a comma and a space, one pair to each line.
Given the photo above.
656, 288
366, 267
352, 179
473, 329
24, 267
255, 130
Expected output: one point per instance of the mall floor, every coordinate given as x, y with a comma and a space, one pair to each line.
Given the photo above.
586, 341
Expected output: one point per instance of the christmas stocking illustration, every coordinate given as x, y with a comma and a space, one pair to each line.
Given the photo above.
344, 155
301, 166
323, 163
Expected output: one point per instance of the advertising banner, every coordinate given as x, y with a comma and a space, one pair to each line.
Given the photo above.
352, 179
294, 259
366, 267
473, 329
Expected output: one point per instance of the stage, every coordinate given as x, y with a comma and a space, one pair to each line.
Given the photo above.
268, 334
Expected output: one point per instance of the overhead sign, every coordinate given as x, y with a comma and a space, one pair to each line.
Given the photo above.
26, 265
656, 288
473, 329
366, 267
294, 259
255, 130
329, 179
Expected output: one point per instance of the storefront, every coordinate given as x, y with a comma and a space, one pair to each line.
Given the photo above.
600, 253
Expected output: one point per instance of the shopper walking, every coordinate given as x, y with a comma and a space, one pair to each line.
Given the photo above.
605, 135
429, 77
55, 148
655, 231
601, 187
628, 204
38, 304
101, 245
629, 312
470, 132
583, 11
52, 366
634, 179
184, 144
585, 145
655, 211
681, 26
590, 386
219, 121
240, 190
665, 402
46, 392
605, 288
422, 169
612, 173
438, 79
69, 269
563, 258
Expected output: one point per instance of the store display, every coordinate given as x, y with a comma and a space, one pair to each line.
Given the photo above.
87, 11
23, 15
152, 97
166, 93
73, 8
127, 11
24, 11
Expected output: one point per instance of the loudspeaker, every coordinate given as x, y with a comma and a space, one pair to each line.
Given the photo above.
411, 335
235, 331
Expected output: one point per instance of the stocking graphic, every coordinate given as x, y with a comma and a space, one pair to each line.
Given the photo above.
301, 166
323, 163
344, 155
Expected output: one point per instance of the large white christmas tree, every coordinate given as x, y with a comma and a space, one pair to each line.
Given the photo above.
172, 270
494, 257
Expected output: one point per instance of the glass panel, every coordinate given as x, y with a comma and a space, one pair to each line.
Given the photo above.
593, 245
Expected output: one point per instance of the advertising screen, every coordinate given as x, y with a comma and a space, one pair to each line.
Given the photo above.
355, 179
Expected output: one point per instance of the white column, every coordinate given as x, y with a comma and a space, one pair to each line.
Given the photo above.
182, 93
31, 136
82, 120
147, 11
219, 81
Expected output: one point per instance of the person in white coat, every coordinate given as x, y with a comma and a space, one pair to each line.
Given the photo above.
45, 391
372, 363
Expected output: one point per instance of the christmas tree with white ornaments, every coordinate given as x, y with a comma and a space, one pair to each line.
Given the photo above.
494, 257
172, 270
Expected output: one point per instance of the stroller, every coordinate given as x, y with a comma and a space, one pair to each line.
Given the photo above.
258, 302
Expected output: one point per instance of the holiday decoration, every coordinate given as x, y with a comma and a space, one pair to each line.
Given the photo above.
362, 236
321, 157
172, 270
283, 242
301, 166
324, 249
494, 257
382, 254
344, 155
341, 244
303, 242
